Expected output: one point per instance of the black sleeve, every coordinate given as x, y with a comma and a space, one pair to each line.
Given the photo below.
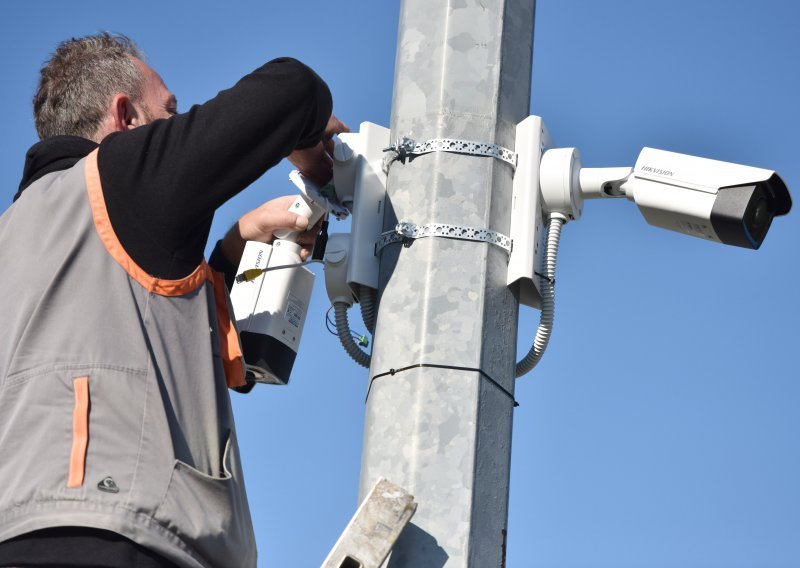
163, 181
219, 262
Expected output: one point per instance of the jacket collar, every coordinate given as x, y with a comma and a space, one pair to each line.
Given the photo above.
52, 155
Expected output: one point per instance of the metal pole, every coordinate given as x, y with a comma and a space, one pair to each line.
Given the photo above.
463, 71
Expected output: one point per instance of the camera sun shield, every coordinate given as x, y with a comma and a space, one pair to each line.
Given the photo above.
742, 215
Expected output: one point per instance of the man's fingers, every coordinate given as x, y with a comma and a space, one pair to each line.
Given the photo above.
261, 223
335, 126
273, 221
296, 222
300, 223
315, 163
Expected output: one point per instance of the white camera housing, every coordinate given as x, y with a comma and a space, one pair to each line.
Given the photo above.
719, 201
271, 310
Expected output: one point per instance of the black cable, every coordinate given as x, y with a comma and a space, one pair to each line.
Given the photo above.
331, 326
322, 241
329, 323
482, 373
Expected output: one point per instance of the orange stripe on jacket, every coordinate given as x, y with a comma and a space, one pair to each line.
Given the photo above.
109, 238
230, 348
80, 432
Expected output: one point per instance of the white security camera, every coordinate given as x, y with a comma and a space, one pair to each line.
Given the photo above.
714, 200
719, 201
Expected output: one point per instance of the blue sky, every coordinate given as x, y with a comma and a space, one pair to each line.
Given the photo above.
662, 426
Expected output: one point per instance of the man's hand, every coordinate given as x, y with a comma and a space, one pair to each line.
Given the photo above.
315, 163
260, 224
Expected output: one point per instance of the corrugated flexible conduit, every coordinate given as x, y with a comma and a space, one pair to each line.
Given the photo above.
367, 298
548, 281
346, 337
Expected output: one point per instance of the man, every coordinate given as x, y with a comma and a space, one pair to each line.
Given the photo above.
117, 440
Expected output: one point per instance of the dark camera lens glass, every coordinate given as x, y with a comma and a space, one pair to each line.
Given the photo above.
742, 215
760, 214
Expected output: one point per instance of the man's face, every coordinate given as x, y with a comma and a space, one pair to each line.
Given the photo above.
156, 100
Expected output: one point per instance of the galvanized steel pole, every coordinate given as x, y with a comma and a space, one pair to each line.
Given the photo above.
443, 430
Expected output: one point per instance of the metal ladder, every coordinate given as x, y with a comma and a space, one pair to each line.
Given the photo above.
373, 530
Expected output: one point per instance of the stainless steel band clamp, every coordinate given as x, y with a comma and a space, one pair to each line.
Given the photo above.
405, 232
407, 148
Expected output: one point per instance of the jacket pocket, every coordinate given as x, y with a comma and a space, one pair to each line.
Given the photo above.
36, 436
70, 432
210, 513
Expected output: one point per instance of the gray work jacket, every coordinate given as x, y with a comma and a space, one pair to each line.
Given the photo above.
114, 405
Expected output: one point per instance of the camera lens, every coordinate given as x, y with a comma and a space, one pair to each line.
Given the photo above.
760, 214
742, 215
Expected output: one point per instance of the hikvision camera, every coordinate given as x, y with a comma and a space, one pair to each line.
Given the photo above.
718, 201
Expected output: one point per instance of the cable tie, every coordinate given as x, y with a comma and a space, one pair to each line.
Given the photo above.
392, 372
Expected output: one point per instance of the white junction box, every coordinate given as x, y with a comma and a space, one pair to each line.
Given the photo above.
361, 185
527, 222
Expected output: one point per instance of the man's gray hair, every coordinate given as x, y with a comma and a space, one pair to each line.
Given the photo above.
77, 83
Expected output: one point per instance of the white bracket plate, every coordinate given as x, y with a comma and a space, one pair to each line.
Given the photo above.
527, 222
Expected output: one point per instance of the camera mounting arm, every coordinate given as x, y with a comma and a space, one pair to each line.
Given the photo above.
565, 183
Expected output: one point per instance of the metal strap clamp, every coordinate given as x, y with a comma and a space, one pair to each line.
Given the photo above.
407, 148
405, 232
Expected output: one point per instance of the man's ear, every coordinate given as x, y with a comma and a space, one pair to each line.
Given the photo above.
124, 114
